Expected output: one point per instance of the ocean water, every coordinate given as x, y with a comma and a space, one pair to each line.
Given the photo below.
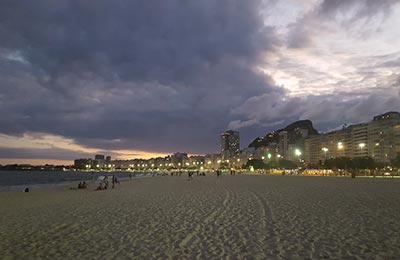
18, 180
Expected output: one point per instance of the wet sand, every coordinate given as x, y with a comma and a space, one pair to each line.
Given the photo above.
233, 217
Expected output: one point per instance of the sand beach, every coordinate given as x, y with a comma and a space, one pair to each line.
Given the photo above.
232, 217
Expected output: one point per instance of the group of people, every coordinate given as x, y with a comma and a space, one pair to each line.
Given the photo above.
179, 173
82, 185
198, 173
190, 174
103, 185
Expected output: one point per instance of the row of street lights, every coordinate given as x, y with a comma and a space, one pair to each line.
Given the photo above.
340, 146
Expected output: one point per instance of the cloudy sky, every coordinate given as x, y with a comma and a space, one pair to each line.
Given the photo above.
141, 78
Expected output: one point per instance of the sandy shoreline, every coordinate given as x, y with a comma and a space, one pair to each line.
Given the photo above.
234, 217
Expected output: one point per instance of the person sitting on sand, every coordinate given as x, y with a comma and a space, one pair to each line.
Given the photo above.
84, 185
100, 187
80, 185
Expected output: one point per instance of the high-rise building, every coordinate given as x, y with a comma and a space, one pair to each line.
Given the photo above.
379, 139
283, 144
100, 161
359, 137
383, 136
179, 159
84, 164
99, 157
230, 145
312, 150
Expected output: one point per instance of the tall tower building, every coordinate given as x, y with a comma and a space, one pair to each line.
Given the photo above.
230, 145
99, 158
283, 144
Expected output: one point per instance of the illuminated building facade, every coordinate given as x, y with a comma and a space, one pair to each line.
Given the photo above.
230, 145
379, 139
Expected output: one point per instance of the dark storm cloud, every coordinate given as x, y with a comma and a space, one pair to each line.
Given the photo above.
326, 111
133, 36
159, 75
169, 76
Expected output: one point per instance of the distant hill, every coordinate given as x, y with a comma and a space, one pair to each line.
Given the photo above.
294, 130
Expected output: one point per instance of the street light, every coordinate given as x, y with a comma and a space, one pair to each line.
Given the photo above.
269, 156
297, 152
340, 146
361, 145
325, 150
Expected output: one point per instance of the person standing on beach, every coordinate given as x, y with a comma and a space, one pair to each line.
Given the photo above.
105, 180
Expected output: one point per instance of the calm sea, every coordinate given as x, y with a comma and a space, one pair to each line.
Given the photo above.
18, 180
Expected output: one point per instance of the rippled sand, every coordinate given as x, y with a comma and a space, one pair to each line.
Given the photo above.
234, 217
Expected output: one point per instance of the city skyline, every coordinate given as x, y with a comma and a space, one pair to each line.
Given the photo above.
378, 139
142, 79
298, 144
